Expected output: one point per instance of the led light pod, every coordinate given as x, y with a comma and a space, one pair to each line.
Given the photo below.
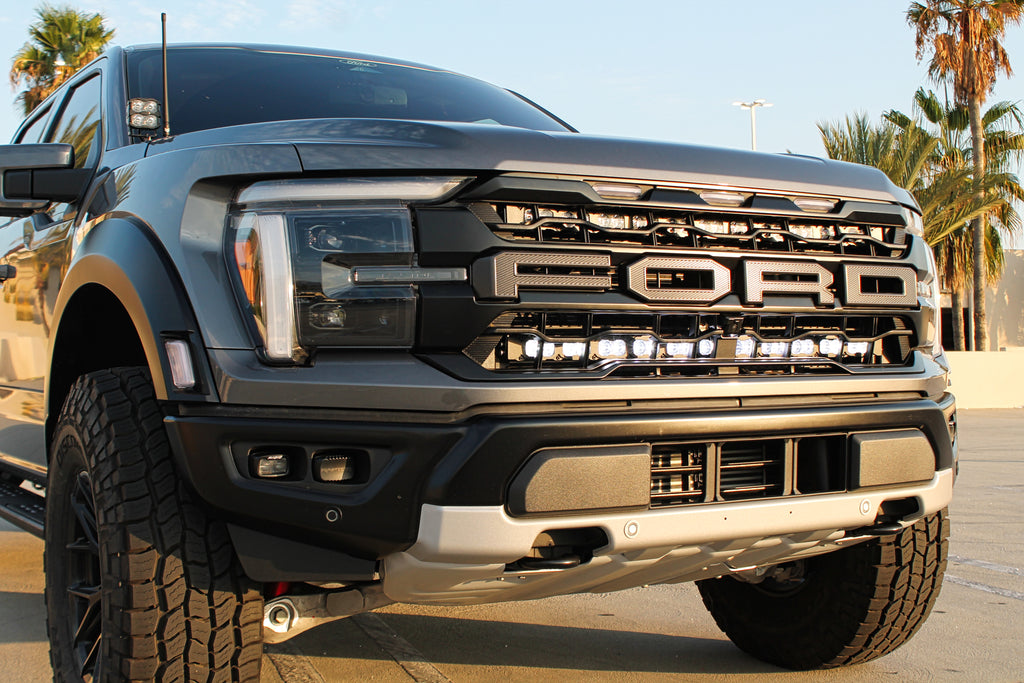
830, 346
801, 348
745, 347
773, 349
678, 349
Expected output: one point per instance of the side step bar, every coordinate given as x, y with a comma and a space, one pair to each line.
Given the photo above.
22, 508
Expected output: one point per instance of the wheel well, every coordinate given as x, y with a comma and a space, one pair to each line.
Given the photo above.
95, 333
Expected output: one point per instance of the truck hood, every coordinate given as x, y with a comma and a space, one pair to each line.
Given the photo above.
371, 145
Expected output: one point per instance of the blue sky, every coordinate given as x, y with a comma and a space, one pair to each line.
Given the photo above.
658, 69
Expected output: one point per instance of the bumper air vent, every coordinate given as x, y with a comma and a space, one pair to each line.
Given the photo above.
678, 474
749, 469
752, 469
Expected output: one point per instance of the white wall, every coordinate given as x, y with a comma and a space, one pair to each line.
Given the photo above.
992, 379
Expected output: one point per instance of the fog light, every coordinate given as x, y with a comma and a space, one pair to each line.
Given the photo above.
334, 467
269, 465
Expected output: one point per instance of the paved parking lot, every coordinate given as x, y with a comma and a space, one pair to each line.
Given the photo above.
659, 633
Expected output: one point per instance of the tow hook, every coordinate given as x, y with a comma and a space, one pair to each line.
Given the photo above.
883, 527
287, 616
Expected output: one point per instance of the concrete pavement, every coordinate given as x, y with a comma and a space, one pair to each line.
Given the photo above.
661, 633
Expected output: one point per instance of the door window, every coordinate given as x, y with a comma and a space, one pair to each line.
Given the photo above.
79, 123
35, 130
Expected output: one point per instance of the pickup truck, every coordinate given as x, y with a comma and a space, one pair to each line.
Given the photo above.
292, 334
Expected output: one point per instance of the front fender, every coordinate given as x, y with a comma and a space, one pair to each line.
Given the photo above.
123, 256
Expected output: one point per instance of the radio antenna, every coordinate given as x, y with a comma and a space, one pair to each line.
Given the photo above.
163, 52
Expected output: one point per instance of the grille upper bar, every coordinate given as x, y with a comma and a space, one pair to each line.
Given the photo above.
629, 225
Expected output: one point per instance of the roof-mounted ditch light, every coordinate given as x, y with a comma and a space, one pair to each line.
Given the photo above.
145, 113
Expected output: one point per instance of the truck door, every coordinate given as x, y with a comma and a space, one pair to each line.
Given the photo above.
37, 247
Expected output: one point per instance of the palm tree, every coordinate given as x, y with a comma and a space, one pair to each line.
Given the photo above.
907, 152
61, 42
902, 154
1002, 124
964, 39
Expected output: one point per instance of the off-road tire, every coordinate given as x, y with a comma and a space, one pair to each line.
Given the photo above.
853, 605
131, 561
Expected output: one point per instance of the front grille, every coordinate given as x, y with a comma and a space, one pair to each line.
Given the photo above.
689, 229
739, 470
687, 344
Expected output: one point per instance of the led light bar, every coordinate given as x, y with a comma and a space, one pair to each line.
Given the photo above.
617, 190
723, 198
274, 299
531, 349
815, 204
419, 188
364, 275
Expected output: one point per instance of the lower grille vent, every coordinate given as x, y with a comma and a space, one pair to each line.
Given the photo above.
677, 474
752, 469
732, 471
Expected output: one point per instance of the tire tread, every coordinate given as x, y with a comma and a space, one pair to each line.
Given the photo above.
183, 608
879, 593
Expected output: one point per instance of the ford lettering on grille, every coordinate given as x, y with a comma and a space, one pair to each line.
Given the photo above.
693, 280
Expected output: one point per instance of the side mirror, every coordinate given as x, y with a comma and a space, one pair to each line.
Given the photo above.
35, 175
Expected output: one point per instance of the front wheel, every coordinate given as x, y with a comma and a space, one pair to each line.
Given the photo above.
846, 607
140, 583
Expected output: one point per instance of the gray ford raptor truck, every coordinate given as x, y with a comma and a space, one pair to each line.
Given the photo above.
293, 334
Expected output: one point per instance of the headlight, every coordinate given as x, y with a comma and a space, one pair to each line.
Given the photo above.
929, 290
332, 263
914, 221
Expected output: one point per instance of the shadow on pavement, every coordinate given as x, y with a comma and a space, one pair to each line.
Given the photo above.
24, 620
450, 640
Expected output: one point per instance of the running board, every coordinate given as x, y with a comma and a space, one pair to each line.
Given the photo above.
22, 508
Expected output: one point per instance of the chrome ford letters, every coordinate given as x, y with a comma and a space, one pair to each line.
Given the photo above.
673, 279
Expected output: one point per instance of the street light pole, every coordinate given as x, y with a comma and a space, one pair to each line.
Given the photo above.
753, 119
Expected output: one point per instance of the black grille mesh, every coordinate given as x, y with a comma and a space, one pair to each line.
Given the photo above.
666, 228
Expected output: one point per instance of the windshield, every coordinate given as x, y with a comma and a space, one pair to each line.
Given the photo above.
215, 87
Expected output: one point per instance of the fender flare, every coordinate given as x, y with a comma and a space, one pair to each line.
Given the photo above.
125, 258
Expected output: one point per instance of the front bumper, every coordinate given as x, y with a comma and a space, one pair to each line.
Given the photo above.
462, 554
414, 466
